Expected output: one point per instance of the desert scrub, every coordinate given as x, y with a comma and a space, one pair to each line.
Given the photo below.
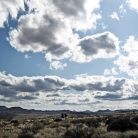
122, 125
8, 135
77, 121
90, 122
111, 119
46, 122
51, 132
15, 122
66, 125
6, 116
32, 129
37, 126
26, 135
57, 120
104, 134
78, 132
135, 119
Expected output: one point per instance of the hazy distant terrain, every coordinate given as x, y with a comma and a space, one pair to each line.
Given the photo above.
19, 110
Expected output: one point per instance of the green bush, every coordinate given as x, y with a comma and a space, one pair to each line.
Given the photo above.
135, 119
122, 125
93, 123
25, 135
15, 122
133, 136
57, 119
111, 119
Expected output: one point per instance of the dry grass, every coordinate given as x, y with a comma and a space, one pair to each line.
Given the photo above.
44, 126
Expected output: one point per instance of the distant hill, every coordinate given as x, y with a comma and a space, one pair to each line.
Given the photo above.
3, 108
19, 110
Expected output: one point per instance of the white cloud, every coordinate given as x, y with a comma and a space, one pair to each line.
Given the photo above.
56, 90
71, 99
26, 56
31, 36
9, 7
57, 65
38, 64
97, 83
121, 8
104, 26
50, 27
133, 4
110, 72
11, 86
114, 16
104, 45
128, 63
79, 12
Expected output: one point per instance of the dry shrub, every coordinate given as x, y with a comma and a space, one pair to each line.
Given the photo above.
51, 133
93, 122
131, 134
66, 125
8, 135
6, 115
108, 135
90, 122
37, 126
122, 125
79, 132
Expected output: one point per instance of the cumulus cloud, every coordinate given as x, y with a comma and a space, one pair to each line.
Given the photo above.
57, 65
79, 12
97, 83
104, 45
73, 103
32, 84
133, 4
25, 97
55, 89
49, 28
114, 16
128, 62
73, 99
6, 92
31, 36
52, 95
109, 96
110, 72
9, 7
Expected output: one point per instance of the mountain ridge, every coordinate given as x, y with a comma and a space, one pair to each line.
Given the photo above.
20, 110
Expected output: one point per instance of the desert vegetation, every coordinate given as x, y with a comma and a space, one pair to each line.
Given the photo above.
123, 125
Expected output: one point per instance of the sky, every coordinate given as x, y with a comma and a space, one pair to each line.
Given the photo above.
69, 54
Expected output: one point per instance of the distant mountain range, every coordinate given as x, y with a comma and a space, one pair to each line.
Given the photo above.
19, 110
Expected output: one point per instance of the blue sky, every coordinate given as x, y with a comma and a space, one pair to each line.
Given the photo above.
69, 54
